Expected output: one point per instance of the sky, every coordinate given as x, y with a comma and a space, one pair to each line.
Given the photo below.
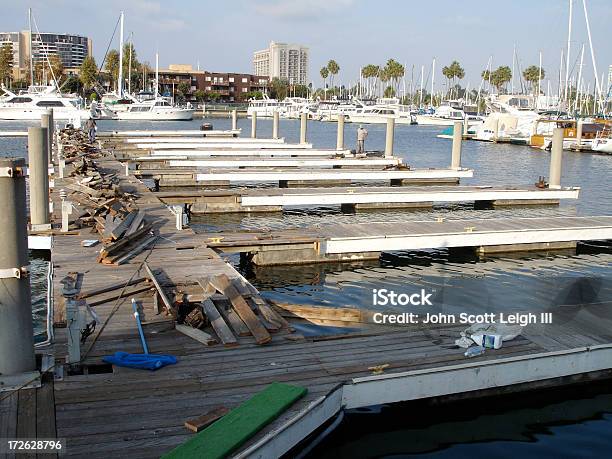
222, 36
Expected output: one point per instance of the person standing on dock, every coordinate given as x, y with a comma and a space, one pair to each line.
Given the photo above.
90, 127
362, 135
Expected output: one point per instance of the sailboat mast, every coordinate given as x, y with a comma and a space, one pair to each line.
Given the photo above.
567, 54
130, 67
421, 91
120, 78
31, 50
156, 74
588, 26
539, 79
513, 60
578, 84
433, 76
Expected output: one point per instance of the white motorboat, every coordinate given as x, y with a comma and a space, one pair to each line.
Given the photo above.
34, 102
159, 109
602, 144
511, 116
293, 107
266, 107
383, 110
446, 115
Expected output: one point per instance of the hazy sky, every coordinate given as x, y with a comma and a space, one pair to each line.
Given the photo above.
223, 35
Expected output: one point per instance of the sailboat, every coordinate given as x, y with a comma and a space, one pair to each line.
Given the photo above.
158, 108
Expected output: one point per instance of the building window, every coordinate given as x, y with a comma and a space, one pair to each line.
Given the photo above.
244, 80
231, 79
207, 78
208, 88
245, 90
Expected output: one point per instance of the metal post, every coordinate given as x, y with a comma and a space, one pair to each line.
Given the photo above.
556, 156
579, 134
303, 127
390, 137
465, 125
254, 125
234, 119
46, 121
61, 161
16, 333
275, 125
340, 139
495, 130
38, 155
74, 321
66, 211
456, 152
51, 133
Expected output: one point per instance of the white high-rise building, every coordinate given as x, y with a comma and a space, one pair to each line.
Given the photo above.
283, 60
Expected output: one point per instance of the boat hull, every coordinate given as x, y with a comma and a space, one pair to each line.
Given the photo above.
35, 114
166, 115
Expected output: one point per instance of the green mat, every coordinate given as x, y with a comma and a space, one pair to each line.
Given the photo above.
236, 427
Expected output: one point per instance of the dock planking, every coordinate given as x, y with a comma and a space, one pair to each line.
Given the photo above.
150, 409
249, 199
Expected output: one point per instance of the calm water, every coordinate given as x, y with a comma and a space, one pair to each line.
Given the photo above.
459, 283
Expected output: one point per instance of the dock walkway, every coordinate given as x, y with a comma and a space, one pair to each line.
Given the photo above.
353, 198
107, 412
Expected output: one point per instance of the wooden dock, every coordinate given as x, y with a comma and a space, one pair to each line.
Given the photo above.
169, 133
287, 176
105, 411
352, 242
355, 198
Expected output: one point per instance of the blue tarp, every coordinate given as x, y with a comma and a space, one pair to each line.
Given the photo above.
141, 361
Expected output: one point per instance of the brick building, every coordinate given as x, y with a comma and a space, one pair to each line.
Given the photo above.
230, 87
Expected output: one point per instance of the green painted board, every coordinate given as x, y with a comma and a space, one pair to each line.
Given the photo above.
240, 424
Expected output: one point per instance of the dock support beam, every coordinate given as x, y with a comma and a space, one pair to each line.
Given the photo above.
456, 152
303, 127
495, 130
556, 156
275, 124
254, 125
38, 154
16, 333
389, 137
579, 134
340, 138
465, 125
234, 120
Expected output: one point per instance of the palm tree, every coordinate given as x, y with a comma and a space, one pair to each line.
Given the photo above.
453, 72
501, 76
532, 75
333, 68
324, 74
394, 71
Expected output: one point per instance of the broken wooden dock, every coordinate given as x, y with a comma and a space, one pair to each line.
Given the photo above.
105, 411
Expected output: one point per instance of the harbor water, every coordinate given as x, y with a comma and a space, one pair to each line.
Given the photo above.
577, 423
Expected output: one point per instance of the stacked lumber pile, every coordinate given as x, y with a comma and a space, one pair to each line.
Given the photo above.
75, 144
226, 311
102, 205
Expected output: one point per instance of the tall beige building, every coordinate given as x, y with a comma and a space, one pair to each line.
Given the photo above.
286, 61
71, 49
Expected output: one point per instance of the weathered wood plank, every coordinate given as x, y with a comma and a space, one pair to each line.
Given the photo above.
223, 285
201, 422
198, 335
218, 324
